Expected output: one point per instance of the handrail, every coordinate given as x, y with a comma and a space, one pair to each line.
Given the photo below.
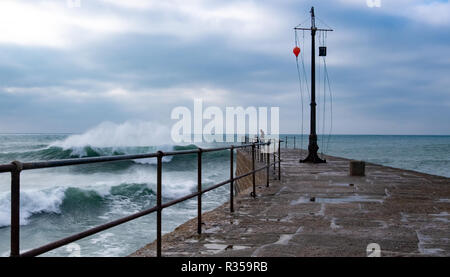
294, 139
66, 162
16, 167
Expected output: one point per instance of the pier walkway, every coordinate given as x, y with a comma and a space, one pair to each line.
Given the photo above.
318, 210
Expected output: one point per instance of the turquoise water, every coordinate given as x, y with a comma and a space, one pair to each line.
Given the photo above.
62, 201
427, 154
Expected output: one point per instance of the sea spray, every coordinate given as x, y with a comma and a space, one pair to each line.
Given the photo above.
127, 134
108, 138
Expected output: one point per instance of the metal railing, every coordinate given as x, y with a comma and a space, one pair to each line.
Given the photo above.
293, 138
259, 152
16, 167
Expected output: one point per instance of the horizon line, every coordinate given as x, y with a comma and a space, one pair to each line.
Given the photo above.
281, 134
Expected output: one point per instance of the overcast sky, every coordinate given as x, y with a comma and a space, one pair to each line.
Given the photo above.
66, 69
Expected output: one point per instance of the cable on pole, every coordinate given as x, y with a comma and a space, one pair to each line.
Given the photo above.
301, 93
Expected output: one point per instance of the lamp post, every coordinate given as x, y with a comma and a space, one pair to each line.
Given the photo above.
313, 157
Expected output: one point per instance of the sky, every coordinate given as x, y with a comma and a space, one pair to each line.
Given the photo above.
67, 68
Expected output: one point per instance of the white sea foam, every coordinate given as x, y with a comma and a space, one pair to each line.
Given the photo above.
52, 186
127, 134
31, 202
130, 137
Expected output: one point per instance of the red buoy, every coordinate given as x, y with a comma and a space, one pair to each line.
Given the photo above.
296, 51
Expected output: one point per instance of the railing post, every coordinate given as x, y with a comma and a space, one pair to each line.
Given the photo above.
294, 142
253, 170
285, 145
231, 179
274, 156
266, 149
199, 191
268, 163
279, 160
158, 202
15, 209
257, 153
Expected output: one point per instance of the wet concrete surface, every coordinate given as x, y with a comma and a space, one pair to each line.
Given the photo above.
318, 210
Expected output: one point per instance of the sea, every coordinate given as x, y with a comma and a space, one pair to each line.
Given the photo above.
59, 202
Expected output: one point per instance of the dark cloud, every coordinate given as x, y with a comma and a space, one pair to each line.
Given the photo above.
387, 70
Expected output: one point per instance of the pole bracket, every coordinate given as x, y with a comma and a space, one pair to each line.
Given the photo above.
18, 166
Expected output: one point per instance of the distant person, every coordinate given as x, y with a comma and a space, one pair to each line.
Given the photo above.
262, 140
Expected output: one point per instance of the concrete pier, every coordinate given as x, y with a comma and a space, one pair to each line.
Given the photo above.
319, 210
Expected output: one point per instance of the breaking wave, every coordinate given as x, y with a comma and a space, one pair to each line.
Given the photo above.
72, 200
112, 135
106, 139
